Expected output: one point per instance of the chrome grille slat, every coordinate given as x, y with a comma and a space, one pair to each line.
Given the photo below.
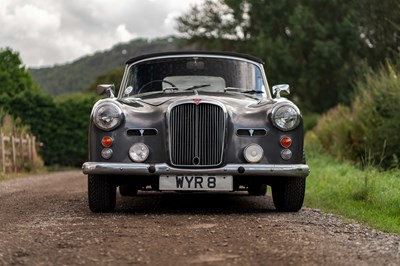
197, 132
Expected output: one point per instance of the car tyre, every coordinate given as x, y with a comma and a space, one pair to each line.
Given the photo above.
257, 190
288, 194
101, 193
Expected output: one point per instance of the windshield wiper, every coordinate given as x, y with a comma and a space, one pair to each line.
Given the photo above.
170, 89
252, 92
232, 89
241, 90
197, 87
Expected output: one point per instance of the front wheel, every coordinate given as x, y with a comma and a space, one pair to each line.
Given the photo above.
288, 194
101, 193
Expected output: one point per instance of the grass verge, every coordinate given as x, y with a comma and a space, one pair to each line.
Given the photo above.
368, 196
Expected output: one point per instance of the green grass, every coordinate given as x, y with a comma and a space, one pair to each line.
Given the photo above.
371, 197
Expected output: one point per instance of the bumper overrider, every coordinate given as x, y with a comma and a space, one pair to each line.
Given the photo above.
142, 169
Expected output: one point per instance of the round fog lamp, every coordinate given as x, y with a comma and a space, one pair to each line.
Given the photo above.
139, 152
286, 154
107, 153
253, 153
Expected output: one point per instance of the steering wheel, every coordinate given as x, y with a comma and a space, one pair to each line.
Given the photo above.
154, 81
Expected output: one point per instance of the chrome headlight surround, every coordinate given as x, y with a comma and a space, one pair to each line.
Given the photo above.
107, 115
285, 116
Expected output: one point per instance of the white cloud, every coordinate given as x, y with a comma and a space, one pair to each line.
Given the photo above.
46, 32
169, 21
28, 21
123, 34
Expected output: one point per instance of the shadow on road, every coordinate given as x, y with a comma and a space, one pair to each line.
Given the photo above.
194, 203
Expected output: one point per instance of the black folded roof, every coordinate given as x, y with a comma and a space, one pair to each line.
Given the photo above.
215, 53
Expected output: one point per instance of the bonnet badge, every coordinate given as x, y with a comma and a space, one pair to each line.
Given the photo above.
197, 101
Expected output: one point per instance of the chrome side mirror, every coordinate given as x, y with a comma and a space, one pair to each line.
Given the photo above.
277, 89
106, 88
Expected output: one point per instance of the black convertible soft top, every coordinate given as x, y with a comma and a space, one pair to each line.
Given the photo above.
221, 53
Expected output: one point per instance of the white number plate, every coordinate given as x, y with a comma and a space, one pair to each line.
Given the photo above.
196, 182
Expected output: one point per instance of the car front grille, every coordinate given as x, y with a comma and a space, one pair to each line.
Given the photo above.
197, 133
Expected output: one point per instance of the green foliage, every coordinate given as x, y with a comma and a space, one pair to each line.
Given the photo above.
73, 133
341, 188
38, 111
310, 120
367, 131
61, 126
377, 109
333, 133
315, 46
14, 78
113, 76
310, 44
380, 29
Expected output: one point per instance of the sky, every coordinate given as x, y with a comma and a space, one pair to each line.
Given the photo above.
48, 32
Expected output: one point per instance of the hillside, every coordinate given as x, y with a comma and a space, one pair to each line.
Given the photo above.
80, 74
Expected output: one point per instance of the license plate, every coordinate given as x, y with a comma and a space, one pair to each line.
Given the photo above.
196, 182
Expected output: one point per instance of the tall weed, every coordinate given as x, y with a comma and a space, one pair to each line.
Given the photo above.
10, 126
369, 128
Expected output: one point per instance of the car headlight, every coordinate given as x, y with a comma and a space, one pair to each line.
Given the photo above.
107, 116
285, 117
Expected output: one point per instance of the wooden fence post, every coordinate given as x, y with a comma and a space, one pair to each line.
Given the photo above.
14, 154
3, 153
29, 144
33, 148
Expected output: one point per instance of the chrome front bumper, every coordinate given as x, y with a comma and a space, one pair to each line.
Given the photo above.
141, 169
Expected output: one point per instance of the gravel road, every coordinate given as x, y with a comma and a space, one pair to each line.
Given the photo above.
45, 220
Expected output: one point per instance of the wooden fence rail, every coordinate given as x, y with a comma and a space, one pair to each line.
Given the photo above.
16, 152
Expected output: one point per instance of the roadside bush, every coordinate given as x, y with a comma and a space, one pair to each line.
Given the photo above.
60, 126
73, 134
333, 133
377, 112
367, 132
309, 120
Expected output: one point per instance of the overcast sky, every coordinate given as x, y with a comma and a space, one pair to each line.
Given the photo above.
46, 32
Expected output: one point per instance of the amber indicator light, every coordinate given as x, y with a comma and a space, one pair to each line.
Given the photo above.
107, 141
286, 142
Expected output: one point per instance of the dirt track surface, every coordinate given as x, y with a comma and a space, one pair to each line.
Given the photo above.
44, 220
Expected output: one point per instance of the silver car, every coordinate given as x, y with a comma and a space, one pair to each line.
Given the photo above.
195, 121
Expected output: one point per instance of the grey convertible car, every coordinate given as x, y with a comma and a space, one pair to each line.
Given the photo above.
195, 121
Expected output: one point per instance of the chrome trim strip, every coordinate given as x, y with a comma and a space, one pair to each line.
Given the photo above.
143, 169
142, 133
251, 131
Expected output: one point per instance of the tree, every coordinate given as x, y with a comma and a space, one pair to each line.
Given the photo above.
380, 30
113, 76
14, 78
61, 126
314, 45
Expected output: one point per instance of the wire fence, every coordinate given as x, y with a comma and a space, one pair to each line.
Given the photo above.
17, 153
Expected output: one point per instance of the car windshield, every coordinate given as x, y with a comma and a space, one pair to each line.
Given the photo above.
193, 73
